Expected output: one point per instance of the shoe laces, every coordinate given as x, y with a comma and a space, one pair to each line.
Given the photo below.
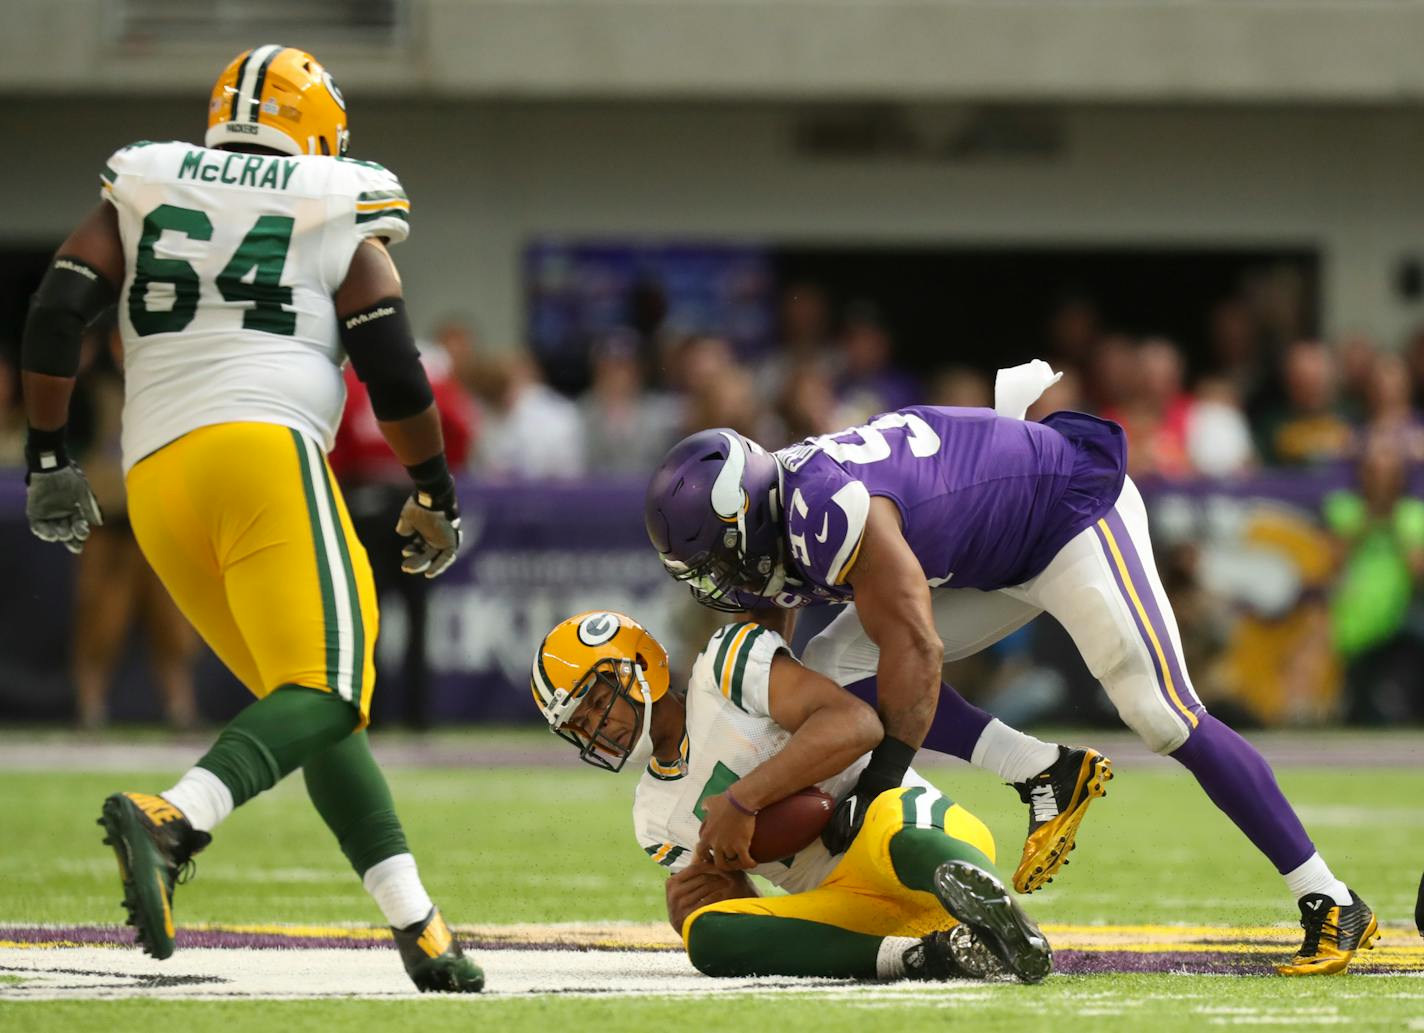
1315, 930
186, 872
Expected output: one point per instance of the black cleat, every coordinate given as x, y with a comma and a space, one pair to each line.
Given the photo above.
979, 900
1332, 935
1419, 908
154, 845
953, 954
433, 958
1057, 799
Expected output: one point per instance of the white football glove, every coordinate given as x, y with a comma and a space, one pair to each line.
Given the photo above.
1018, 387
61, 507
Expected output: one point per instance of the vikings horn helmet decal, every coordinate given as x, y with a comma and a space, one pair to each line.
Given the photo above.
713, 512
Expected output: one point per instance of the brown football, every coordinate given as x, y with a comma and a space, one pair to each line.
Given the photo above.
790, 825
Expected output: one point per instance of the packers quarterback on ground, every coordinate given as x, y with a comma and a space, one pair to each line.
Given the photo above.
913, 897
246, 271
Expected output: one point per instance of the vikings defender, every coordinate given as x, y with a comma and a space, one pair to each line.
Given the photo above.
915, 897
945, 530
246, 272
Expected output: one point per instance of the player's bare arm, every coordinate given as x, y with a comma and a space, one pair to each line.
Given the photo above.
370, 309
830, 729
893, 601
82, 281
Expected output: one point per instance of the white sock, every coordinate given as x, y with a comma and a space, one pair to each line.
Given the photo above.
395, 885
890, 960
1315, 876
202, 798
1011, 754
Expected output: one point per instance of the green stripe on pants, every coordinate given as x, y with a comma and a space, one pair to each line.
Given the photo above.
908, 802
939, 809
323, 571
358, 626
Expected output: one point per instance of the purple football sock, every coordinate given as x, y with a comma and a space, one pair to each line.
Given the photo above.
957, 723
1240, 782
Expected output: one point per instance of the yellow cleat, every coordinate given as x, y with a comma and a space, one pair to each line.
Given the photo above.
1057, 799
1332, 935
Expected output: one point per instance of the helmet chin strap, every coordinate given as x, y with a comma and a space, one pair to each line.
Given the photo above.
642, 750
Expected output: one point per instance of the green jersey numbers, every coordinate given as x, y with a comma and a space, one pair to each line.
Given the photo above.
175, 273
721, 780
253, 275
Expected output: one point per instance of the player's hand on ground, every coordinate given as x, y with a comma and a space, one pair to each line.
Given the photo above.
845, 823
61, 507
726, 838
433, 526
700, 884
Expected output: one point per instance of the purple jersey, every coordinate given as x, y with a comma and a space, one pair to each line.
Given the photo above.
986, 501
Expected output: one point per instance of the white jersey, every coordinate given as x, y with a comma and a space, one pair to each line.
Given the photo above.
231, 261
730, 731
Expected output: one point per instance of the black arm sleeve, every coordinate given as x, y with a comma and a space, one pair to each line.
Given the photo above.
71, 296
383, 353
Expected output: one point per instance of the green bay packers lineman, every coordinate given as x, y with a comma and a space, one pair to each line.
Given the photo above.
245, 272
913, 896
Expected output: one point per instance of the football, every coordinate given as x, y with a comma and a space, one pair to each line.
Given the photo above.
790, 825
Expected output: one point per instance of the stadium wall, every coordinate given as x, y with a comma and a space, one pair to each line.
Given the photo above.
486, 178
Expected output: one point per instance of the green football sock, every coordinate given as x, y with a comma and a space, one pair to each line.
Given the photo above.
915, 853
352, 797
274, 736
760, 945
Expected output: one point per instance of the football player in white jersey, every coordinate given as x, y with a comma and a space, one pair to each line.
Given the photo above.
913, 897
246, 272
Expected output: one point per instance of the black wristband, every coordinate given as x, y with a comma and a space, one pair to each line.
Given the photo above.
888, 763
432, 480
45, 451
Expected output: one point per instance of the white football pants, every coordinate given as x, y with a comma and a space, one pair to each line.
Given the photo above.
1103, 588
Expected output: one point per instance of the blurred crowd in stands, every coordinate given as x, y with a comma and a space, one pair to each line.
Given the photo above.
1343, 639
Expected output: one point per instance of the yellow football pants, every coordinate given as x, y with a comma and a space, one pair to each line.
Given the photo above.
863, 893
246, 528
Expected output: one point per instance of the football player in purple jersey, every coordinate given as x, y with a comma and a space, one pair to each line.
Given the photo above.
943, 530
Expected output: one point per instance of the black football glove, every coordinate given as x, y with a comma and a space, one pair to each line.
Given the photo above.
431, 520
885, 771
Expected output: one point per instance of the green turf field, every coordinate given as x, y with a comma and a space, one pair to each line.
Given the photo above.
541, 845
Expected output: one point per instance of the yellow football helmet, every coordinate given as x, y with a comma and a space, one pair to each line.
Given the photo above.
278, 97
599, 647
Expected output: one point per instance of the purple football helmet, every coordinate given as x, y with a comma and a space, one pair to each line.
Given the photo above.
713, 512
